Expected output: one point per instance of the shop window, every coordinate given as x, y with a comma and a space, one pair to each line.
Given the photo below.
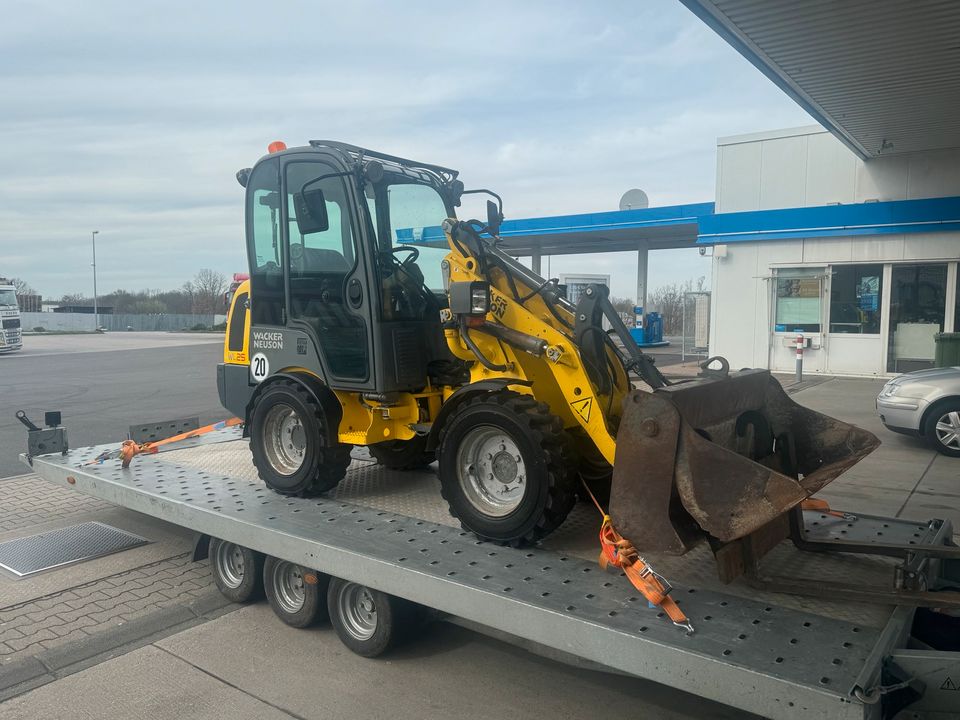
855, 296
798, 294
917, 310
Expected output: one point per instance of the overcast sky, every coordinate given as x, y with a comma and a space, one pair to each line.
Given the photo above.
131, 118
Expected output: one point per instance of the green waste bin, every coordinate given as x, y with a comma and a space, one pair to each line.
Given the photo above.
947, 352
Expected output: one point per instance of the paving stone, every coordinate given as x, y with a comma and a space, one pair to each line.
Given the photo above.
32, 639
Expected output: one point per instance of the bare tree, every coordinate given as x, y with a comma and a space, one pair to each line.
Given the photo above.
622, 305
22, 287
207, 289
668, 301
75, 299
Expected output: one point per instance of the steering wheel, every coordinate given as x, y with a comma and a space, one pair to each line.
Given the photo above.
414, 253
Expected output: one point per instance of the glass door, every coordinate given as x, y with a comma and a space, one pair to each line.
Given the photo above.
854, 344
918, 297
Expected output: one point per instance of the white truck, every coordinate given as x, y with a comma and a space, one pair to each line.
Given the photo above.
11, 337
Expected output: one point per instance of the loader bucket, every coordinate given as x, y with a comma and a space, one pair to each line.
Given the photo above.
721, 457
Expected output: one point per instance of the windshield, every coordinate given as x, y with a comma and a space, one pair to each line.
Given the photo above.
8, 298
411, 209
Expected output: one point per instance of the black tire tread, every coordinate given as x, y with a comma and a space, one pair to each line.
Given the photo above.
334, 461
251, 589
548, 433
409, 456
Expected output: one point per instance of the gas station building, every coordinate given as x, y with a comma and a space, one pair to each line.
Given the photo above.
847, 232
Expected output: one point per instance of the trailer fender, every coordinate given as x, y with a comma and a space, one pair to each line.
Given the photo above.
201, 547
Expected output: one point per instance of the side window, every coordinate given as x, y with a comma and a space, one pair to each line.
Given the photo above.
320, 262
235, 340
263, 233
332, 249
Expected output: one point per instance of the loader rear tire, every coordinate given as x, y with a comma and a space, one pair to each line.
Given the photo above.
403, 454
287, 430
504, 468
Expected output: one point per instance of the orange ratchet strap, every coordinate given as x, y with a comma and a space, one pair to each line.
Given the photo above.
822, 506
129, 449
620, 552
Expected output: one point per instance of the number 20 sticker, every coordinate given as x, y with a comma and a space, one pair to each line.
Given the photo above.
259, 367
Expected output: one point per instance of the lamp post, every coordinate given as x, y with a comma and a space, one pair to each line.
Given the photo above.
96, 314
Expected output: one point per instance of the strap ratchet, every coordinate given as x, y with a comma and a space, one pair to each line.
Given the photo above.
619, 552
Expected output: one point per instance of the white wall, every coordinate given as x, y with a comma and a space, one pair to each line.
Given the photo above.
741, 323
805, 167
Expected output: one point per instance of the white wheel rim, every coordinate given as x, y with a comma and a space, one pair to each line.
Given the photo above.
948, 430
288, 586
491, 471
228, 561
358, 610
284, 439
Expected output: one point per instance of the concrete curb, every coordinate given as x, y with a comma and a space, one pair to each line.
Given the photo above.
31, 672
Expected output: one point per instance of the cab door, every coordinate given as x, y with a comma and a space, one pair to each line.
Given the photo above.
327, 293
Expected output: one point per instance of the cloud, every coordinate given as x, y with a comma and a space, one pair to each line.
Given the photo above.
132, 118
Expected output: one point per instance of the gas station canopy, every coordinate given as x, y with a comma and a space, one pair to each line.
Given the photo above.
883, 77
658, 228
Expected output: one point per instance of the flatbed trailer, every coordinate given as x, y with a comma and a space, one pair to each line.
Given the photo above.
776, 655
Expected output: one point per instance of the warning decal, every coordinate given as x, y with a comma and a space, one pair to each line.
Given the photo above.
583, 408
949, 684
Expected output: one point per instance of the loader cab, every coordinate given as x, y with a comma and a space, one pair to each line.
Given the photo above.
339, 284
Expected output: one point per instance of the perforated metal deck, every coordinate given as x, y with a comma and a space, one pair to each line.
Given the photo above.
760, 656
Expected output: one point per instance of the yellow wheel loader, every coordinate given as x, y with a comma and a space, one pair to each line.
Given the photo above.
374, 317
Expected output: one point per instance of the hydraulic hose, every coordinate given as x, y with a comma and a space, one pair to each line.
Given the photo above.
481, 358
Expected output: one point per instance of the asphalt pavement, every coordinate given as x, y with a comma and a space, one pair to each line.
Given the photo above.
105, 383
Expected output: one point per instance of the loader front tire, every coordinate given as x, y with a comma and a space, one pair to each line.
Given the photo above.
287, 431
504, 468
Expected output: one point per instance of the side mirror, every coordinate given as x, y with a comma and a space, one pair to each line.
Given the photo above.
494, 218
311, 211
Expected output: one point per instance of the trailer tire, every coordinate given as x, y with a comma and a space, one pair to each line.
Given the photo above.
237, 571
369, 622
533, 464
287, 429
296, 595
403, 454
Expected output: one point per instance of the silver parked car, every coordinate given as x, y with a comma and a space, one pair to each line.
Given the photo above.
925, 403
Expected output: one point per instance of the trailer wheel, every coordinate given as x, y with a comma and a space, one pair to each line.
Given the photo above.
505, 469
403, 454
367, 621
287, 427
295, 593
237, 571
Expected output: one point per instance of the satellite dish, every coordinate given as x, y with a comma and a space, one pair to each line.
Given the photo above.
635, 199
